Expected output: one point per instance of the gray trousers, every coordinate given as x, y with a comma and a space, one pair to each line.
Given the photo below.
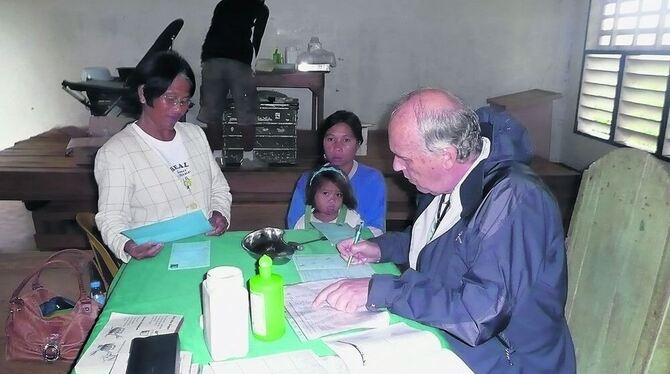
220, 76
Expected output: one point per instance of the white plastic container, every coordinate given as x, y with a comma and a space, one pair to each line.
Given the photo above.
225, 307
291, 55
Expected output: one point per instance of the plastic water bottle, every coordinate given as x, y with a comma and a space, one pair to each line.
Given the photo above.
277, 58
96, 292
225, 307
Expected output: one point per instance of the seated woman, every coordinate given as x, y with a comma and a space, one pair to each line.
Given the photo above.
340, 135
329, 199
158, 168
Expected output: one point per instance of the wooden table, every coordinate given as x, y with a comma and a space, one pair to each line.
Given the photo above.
314, 81
55, 187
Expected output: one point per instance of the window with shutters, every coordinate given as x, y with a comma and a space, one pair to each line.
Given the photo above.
623, 97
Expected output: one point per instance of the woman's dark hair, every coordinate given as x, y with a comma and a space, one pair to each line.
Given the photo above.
331, 173
158, 71
340, 116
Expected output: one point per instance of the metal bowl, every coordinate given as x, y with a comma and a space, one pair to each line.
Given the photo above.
269, 241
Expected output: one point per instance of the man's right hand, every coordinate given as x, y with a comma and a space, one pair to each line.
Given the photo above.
360, 253
145, 250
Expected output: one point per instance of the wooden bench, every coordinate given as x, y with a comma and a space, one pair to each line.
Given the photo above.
55, 187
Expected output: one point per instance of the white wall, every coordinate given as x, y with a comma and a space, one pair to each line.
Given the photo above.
476, 48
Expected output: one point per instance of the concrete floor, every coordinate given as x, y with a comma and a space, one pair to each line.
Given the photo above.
18, 257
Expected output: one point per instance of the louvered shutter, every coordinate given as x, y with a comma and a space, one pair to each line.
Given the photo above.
596, 101
644, 83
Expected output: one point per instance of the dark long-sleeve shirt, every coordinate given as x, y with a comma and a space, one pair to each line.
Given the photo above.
236, 30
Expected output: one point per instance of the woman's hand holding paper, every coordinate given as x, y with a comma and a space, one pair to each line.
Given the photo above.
218, 222
149, 249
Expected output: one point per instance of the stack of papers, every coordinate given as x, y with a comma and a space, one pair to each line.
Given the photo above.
310, 323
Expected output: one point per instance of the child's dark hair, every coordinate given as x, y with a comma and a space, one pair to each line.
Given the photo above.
331, 173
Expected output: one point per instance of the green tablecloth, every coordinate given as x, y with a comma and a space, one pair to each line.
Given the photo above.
148, 287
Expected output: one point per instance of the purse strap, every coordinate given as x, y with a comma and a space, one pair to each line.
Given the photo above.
54, 259
73, 256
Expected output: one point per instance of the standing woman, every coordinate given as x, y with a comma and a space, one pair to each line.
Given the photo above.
158, 168
340, 135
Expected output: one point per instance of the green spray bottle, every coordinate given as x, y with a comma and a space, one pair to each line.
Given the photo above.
266, 296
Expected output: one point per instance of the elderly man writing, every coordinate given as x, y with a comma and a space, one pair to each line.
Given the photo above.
486, 254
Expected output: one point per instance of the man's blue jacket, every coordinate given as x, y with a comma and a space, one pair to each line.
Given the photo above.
496, 282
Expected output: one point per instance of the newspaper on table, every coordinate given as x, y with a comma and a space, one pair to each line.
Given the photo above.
110, 350
310, 323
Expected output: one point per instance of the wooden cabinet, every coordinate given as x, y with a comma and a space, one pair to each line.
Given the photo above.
533, 108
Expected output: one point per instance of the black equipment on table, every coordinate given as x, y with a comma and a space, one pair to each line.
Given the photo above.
100, 92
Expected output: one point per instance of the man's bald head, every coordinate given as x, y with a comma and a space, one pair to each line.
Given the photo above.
441, 119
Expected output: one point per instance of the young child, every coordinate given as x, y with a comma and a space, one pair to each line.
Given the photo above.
329, 198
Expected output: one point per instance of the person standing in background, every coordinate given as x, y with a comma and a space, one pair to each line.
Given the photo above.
233, 39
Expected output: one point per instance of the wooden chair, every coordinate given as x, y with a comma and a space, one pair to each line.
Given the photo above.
105, 262
619, 266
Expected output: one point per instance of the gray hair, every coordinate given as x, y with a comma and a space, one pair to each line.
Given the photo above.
456, 126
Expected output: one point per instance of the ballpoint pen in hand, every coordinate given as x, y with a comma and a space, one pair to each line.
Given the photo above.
357, 237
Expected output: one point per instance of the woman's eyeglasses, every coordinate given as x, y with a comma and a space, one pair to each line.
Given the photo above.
174, 101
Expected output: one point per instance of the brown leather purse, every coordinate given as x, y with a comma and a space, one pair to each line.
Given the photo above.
32, 336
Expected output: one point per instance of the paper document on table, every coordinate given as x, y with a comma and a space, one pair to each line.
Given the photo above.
189, 255
331, 266
297, 362
110, 350
180, 227
335, 232
396, 349
311, 323
185, 358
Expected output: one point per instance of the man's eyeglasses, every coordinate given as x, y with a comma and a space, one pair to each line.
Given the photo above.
174, 101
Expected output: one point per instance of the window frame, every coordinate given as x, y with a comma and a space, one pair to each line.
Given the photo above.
624, 52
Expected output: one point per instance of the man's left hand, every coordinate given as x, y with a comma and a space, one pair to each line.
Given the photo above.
219, 222
347, 295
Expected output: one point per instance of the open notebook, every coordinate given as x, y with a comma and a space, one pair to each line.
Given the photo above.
396, 349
